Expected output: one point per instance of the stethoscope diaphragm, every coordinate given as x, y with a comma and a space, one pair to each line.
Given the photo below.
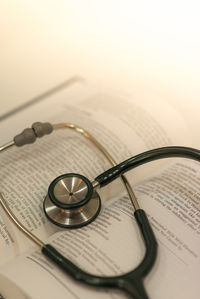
71, 201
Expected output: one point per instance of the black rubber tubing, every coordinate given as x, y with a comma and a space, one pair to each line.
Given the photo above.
140, 159
131, 282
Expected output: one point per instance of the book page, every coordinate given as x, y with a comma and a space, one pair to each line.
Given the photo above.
188, 108
27, 172
112, 244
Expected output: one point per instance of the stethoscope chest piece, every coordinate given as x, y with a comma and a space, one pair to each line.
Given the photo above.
71, 201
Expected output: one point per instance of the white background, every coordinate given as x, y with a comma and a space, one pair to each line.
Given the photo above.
131, 45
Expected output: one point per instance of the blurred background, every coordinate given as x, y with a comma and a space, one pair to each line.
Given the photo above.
131, 45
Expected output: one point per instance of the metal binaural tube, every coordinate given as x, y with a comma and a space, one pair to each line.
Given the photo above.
95, 184
46, 129
18, 223
6, 146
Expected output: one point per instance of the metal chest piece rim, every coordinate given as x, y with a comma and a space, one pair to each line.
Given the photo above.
71, 201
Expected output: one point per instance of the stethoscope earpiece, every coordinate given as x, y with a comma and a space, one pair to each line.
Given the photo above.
71, 201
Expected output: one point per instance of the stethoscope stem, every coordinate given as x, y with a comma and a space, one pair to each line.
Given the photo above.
102, 149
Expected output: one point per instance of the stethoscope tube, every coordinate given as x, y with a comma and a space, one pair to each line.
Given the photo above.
131, 282
155, 154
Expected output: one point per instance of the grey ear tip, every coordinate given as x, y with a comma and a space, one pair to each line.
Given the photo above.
42, 129
29, 135
48, 127
26, 137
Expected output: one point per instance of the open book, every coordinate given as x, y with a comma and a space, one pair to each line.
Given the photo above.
168, 190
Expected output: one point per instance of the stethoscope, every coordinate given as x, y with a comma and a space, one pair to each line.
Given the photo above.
72, 201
